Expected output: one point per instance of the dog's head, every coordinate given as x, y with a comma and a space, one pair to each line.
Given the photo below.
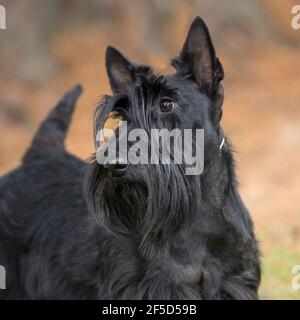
155, 199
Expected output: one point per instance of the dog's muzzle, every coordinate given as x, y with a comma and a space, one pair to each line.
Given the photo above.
117, 166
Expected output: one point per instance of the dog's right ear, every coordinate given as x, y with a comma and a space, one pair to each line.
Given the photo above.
120, 70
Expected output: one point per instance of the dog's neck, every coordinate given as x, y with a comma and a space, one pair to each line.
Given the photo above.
214, 216
215, 190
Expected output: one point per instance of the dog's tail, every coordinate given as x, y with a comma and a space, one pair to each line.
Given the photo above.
52, 132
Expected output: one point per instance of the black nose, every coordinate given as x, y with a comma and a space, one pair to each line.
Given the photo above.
116, 165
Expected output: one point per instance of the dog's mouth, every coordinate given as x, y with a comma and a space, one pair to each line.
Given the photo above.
117, 168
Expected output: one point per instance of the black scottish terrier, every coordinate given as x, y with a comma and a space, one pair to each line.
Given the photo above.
76, 230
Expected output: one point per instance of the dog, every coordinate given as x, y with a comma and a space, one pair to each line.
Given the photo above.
83, 230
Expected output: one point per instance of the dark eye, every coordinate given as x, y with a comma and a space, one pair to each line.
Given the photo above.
166, 104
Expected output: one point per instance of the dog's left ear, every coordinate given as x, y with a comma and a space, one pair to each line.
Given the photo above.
198, 60
120, 70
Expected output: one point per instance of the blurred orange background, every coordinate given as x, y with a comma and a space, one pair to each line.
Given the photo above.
51, 45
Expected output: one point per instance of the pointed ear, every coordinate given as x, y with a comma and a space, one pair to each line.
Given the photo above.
198, 60
121, 72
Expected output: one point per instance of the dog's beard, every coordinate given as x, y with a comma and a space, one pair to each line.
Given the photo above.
151, 202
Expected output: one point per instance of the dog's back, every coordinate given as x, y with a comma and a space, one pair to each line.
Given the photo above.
29, 225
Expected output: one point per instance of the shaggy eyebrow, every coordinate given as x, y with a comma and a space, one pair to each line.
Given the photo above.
159, 85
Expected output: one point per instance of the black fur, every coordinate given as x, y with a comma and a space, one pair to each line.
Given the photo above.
73, 230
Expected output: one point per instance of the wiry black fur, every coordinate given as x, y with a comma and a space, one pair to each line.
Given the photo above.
72, 230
